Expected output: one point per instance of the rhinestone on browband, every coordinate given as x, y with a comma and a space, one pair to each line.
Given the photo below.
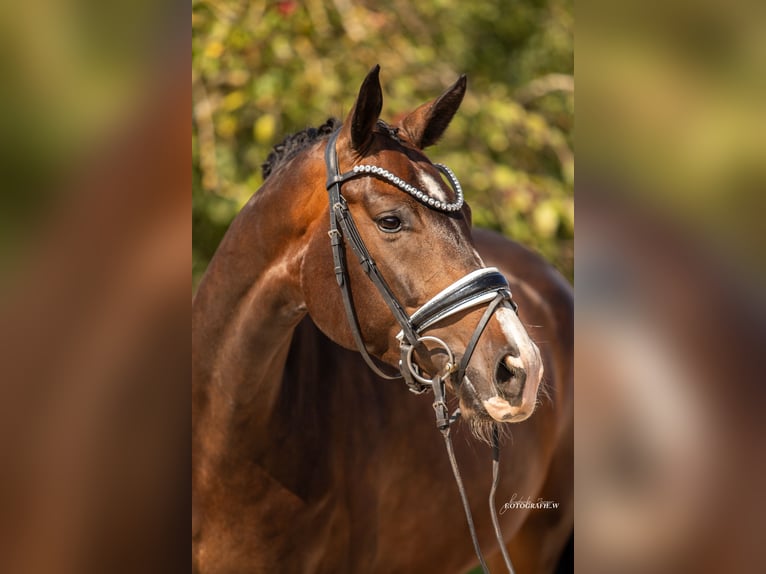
418, 194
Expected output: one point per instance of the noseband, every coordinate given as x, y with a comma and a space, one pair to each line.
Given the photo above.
482, 286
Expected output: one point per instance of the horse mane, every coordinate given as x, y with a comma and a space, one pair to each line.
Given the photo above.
294, 143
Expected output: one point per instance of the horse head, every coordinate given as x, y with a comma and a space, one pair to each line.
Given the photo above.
418, 232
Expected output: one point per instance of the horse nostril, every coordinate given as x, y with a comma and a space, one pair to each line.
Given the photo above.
510, 378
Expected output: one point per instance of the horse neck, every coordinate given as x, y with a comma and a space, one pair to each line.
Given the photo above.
244, 314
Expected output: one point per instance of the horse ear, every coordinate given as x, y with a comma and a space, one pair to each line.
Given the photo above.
364, 115
426, 124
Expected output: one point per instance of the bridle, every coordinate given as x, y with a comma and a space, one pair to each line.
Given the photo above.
482, 286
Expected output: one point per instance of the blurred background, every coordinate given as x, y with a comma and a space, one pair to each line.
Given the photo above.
264, 69
94, 288
670, 316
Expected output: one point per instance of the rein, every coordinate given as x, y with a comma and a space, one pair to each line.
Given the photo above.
483, 286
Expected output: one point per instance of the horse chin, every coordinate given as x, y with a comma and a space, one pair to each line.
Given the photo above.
502, 411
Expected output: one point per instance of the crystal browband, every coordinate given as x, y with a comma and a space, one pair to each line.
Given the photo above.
414, 191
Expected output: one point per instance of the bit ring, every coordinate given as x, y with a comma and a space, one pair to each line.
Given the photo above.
413, 368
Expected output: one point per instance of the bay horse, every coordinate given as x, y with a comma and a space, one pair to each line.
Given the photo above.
304, 459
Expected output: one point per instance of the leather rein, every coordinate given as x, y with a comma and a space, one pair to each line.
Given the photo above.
485, 286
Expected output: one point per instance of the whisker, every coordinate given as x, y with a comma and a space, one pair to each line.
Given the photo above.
483, 430
544, 391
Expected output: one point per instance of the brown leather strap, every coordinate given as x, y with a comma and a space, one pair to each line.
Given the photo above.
471, 346
443, 424
492, 492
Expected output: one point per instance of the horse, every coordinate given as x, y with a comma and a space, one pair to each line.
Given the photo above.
305, 459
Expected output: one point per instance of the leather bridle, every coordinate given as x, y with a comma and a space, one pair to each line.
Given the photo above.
482, 286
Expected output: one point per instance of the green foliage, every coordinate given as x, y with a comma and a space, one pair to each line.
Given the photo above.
263, 69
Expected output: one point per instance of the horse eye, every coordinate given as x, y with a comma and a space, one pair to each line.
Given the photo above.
390, 224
